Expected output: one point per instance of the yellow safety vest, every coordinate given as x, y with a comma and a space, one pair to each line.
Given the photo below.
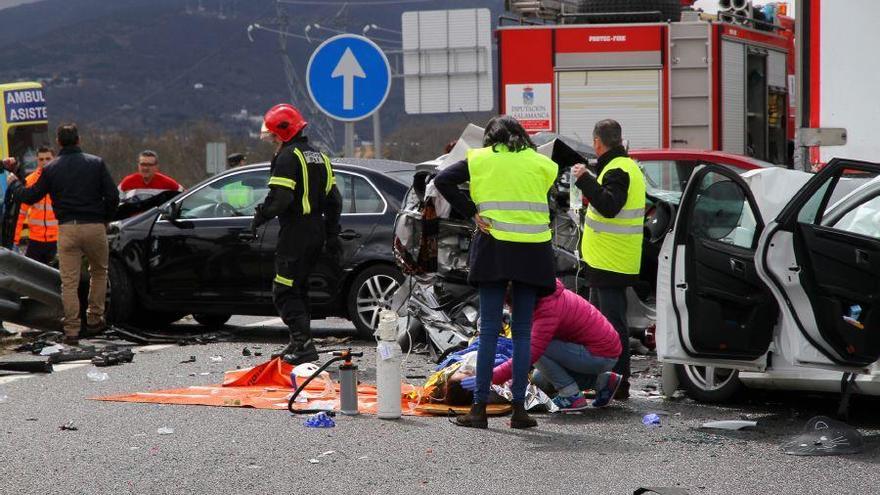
510, 191
615, 244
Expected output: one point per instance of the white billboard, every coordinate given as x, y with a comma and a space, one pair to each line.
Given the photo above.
447, 61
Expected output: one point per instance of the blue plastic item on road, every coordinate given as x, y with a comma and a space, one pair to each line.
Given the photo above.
319, 420
651, 420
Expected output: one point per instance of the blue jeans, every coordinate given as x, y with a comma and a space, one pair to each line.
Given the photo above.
570, 368
491, 311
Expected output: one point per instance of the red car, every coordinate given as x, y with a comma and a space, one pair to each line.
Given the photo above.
669, 169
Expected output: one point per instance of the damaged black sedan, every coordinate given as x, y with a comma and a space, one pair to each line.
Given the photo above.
197, 255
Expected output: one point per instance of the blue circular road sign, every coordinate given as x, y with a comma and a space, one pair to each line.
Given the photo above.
348, 77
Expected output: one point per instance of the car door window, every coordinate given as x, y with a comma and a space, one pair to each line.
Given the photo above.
235, 195
863, 219
722, 212
359, 196
846, 202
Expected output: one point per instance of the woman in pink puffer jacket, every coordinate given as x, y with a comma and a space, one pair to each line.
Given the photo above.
573, 348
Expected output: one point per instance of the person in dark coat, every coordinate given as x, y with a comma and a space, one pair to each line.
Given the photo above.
508, 201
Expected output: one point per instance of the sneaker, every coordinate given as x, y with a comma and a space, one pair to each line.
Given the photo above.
574, 402
606, 393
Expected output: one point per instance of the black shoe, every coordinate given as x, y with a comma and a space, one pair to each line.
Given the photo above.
70, 340
96, 329
291, 347
476, 418
304, 354
520, 419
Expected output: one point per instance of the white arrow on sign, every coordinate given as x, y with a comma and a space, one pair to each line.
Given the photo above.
348, 68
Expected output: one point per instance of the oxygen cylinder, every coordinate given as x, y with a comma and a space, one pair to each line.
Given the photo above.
388, 360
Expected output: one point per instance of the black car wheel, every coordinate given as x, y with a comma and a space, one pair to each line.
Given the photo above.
120, 294
211, 320
371, 292
708, 383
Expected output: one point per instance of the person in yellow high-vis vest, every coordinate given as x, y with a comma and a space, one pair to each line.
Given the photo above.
613, 230
509, 184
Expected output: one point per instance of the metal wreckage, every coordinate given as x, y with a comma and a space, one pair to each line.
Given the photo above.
438, 307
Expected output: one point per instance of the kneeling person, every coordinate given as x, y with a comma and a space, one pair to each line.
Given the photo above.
573, 348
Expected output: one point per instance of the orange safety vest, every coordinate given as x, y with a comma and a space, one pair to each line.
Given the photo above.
39, 217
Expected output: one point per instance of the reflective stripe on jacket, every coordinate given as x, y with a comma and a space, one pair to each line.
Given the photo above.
615, 244
39, 217
510, 192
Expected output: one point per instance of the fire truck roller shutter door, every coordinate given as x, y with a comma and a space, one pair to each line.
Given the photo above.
631, 97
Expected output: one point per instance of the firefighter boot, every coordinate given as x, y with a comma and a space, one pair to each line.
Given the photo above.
291, 346
305, 351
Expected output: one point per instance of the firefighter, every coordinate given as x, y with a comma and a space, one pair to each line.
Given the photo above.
40, 219
613, 232
303, 195
509, 187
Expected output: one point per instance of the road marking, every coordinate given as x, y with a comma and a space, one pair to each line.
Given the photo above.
267, 323
72, 365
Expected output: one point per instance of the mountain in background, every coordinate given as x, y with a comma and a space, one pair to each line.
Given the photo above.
144, 66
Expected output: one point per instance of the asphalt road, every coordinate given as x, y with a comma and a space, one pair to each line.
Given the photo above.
234, 450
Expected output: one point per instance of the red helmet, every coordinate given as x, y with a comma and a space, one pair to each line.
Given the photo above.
284, 121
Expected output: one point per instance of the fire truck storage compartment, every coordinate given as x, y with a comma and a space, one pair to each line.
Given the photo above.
753, 85
632, 97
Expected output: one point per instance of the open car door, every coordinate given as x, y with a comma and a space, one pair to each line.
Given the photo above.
713, 309
821, 259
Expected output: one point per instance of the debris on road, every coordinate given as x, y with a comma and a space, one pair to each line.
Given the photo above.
246, 352
216, 359
66, 355
325, 454
112, 356
825, 436
97, 375
69, 426
3, 397
314, 461
319, 420
42, 366
651, 420
51, 349
191, 359
731, 425
165, 431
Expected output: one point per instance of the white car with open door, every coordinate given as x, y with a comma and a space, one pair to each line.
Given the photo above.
771, 279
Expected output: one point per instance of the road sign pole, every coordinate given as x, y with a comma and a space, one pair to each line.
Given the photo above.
349, 139
377, 135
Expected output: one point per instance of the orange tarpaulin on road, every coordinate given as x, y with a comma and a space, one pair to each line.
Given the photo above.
266, 386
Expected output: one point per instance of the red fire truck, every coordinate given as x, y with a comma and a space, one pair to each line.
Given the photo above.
696, 83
